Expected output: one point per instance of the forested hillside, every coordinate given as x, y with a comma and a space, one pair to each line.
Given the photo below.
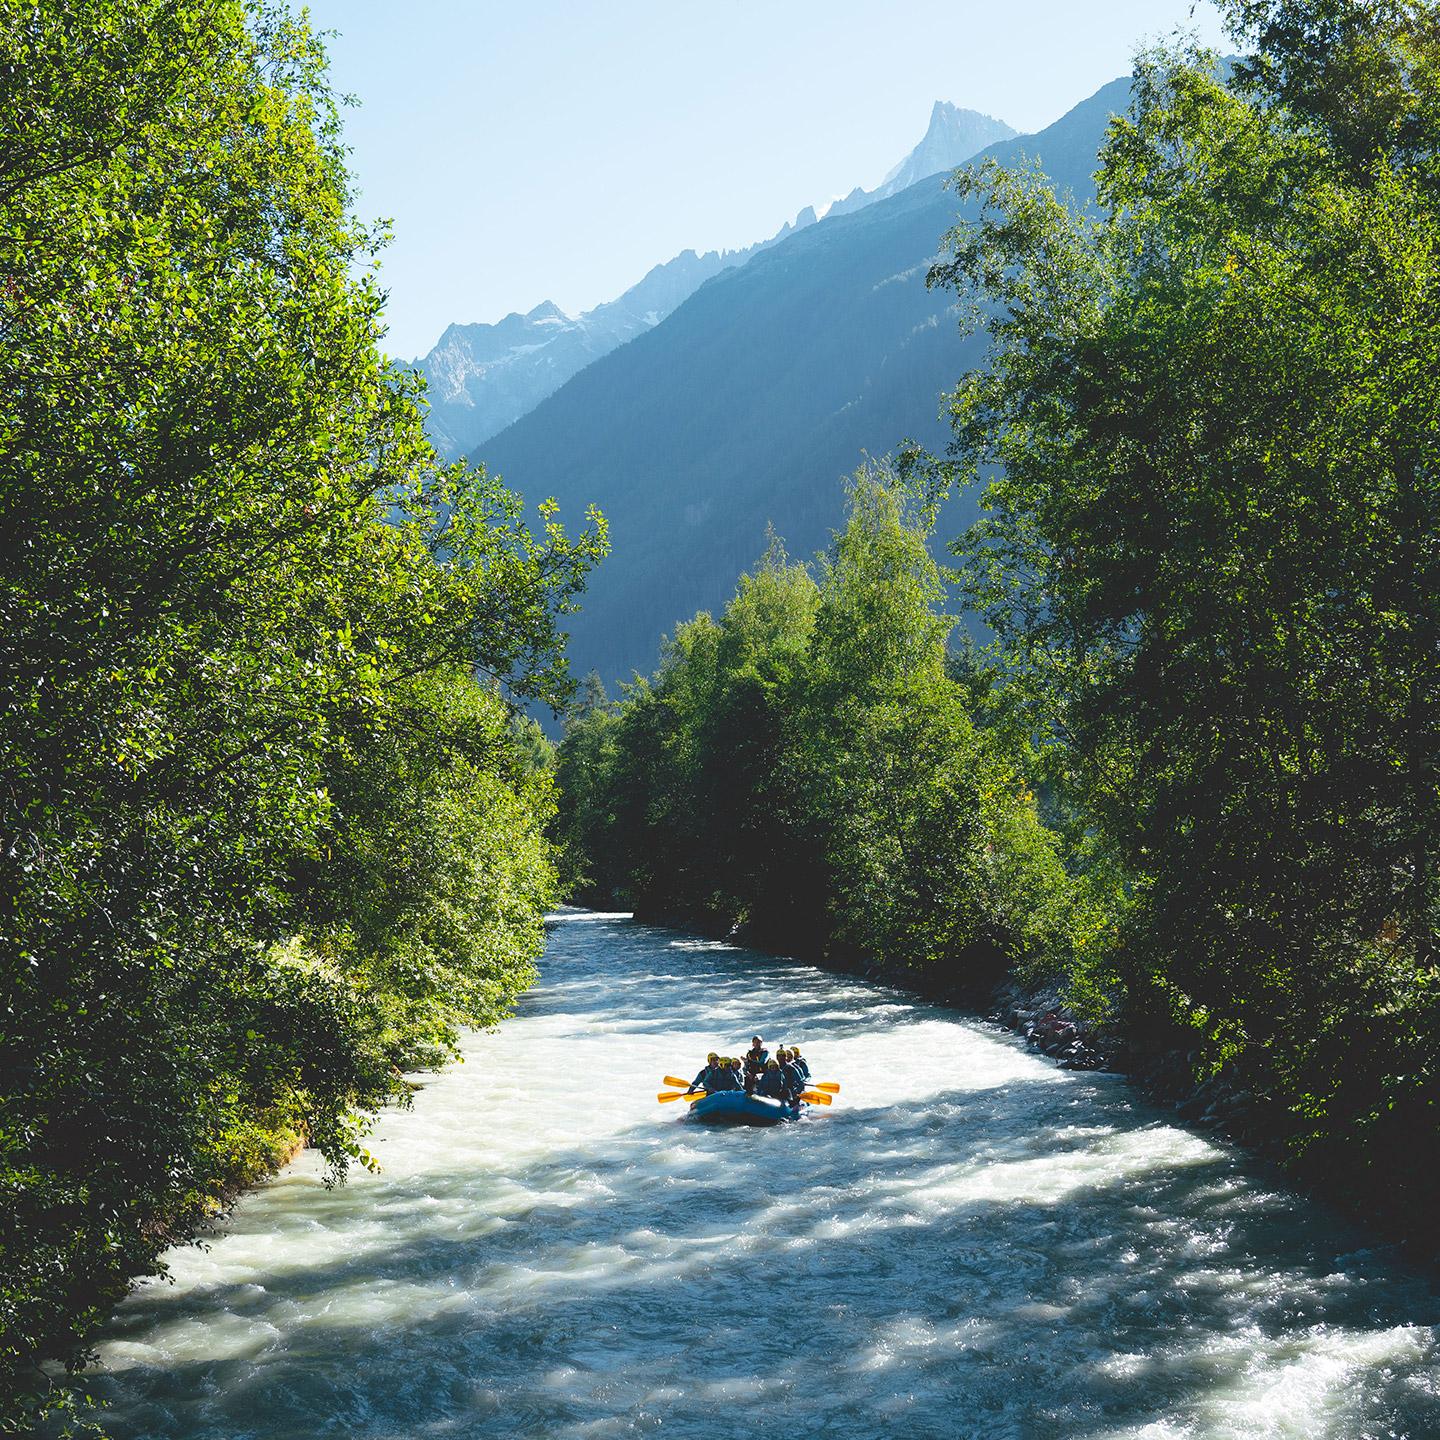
1205, 417
746, 408
271, 834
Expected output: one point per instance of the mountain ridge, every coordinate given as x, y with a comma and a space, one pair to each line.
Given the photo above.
484, 376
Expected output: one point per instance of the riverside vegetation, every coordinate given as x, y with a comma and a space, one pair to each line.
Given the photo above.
1210, 556
271, 833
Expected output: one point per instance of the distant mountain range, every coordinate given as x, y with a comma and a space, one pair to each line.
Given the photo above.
484, 377
749, 403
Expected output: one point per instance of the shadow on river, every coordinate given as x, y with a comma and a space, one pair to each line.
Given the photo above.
970, 1242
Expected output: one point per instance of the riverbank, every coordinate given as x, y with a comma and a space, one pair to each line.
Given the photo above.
1231, 1103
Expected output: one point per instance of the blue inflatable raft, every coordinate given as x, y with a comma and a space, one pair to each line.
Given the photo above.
735, 1107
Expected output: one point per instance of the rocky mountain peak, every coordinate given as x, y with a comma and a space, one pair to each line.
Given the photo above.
951, 138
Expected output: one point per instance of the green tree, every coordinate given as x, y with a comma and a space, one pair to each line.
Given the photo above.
266, 840
934, 854
766, 866
1210, 548
592, 870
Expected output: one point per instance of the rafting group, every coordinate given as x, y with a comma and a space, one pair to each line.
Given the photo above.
756, 1073
753, 1089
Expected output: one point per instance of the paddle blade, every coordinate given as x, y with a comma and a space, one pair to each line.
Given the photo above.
829, 1085
698, 1095
671, 1080
665, 1096
817, 1097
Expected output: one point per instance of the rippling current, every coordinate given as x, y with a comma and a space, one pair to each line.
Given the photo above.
970, 1242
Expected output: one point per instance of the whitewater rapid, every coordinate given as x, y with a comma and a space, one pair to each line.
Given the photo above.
970, 1242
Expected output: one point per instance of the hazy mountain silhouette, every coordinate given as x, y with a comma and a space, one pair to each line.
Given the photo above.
483, 377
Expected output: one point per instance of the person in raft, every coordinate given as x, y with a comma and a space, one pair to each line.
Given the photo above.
790, 1069
705, 1079
800, 1063
723, 1075
775, 1084
755, 1058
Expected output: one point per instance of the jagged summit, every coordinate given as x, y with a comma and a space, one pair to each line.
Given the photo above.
952, 137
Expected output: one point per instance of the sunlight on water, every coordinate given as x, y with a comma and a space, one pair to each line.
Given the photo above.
970, 1242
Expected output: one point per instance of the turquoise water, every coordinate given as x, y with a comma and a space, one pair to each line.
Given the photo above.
970, 1242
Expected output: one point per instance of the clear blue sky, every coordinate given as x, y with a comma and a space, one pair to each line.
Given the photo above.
556, 149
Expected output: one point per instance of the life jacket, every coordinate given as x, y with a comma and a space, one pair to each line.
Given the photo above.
724, 1078
773, 1083
755, 1059
705, 1080
791, 1071
802, 1065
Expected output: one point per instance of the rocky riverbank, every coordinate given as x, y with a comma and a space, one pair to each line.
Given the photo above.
1165, 1071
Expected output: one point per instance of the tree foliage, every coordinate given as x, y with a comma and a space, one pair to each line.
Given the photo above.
269, 837
1212, 547
806, 768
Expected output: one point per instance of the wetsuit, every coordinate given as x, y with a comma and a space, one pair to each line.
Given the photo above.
724, 1078
793, 1078
774, 1085
705, 1080
800, 1063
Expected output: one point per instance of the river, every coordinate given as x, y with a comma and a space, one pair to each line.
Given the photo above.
969, 1242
